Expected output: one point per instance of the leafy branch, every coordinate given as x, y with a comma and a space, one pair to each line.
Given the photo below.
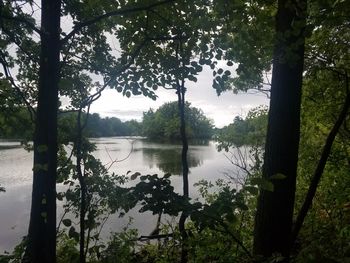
125, 11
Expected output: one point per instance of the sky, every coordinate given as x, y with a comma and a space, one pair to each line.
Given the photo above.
222, 109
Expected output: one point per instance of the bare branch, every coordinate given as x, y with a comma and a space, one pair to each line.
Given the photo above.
146, 238
113, 161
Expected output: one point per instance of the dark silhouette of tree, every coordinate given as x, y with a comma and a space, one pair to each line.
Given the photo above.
41, 246
274, 215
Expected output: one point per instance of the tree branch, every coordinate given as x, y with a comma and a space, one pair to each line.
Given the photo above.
8, 75
23, 21
18, 43
125, 11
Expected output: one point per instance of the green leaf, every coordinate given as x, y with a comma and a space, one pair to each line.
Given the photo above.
135, 175
73, 234
267, 185
42, 148
251, 189
192, 78
67, 222
167, 175
278, 176
263, 184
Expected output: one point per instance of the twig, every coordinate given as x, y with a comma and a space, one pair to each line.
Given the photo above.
121, 160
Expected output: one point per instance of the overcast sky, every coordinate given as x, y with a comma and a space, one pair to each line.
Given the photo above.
222, 109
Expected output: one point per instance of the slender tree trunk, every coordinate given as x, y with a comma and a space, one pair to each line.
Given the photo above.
274, 215
184, 215
41, 246
181, 91
83, 190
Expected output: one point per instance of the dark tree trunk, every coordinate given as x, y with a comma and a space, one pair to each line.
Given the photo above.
83, 189
274, 215
181, 91
184, 215
41, 245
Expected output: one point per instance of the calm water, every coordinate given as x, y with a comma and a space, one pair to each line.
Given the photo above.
127, 154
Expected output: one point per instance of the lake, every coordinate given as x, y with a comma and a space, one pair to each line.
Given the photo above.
120, 155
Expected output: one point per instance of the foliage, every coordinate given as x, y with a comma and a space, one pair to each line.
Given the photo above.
15, 123
324, 236
16, 255
325, 229
249, 131
120, 248
246, 39
102, 127
67, 250
157, 195
164, 123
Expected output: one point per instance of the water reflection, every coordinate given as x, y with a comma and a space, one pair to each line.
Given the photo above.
146, 157
169, 160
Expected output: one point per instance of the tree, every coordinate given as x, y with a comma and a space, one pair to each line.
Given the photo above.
42, 247
164, 123
274, 215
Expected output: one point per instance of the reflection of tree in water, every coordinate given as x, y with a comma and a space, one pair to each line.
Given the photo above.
169, 160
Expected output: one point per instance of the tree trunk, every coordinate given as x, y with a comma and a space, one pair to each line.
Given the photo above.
184, 215
41, 245
274, 215
83, 189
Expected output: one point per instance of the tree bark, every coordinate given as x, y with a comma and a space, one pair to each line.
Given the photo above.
274, 214
41, 246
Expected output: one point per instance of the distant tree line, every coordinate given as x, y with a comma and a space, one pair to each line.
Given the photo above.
103, 127
162, 124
